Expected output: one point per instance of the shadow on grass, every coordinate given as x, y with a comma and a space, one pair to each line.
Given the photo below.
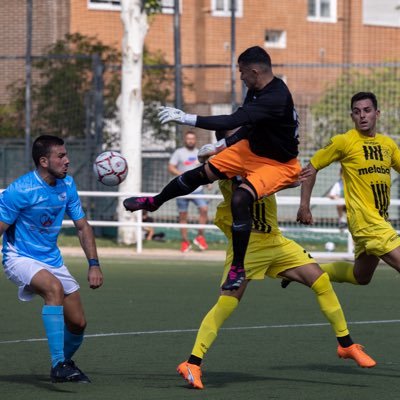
381, 371
216, 380
39, 381
222, 379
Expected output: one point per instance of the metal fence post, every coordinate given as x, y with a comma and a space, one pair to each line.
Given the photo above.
28, 83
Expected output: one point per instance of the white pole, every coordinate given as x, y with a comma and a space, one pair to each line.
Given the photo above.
134, 21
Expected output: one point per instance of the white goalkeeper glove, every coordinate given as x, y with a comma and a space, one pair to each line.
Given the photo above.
171, 114
211, 149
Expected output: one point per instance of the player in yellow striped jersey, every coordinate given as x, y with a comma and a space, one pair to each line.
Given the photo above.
366, 158
269, 254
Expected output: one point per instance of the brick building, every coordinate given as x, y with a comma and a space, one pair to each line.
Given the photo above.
50, 22
311, 42
323, 33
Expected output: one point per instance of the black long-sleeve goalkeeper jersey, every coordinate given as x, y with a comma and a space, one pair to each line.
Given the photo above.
268, 120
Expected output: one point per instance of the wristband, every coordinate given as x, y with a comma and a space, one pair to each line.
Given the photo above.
93, 262
190, 119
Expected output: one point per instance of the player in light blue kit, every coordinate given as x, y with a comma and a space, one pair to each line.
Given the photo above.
31, 213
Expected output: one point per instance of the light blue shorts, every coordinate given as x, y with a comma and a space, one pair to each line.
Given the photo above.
183, 203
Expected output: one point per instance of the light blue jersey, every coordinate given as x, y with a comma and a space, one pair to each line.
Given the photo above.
35, 211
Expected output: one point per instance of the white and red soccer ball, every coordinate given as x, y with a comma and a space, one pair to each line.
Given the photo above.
110, 168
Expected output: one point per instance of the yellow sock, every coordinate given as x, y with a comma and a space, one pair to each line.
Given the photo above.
330, 305
340, 271
212, 322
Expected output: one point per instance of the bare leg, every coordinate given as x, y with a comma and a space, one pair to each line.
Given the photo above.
203, 216
364, 268
183, 220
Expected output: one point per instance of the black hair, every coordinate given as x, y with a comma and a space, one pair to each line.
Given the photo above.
255, 55
363, 96
42, 146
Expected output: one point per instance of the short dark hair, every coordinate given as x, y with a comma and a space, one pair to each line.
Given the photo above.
255, 55
363, 96
42, 146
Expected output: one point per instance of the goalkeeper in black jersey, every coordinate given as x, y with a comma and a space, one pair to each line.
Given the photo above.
263, 152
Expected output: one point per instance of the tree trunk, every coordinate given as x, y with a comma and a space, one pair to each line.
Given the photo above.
130, 102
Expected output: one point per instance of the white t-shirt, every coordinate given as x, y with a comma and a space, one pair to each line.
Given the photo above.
184, 160
337, 190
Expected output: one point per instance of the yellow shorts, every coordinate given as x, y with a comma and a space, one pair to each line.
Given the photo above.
269, 255
267, 176
376, 240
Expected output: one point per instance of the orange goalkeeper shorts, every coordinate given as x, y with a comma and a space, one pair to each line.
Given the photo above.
265, 175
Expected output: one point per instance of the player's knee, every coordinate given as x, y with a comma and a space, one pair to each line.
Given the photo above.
82, 324
242, 197
241, 203
78, 325
322, 284
54, 292
363, 280
193, 178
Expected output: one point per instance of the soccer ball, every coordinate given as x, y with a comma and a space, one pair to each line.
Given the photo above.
329, 246
110, 168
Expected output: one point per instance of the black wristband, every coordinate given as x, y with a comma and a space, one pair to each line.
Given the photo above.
93, 262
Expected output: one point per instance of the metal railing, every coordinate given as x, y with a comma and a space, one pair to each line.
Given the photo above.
281, 201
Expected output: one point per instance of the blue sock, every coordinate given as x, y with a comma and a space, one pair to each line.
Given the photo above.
53, 320
72, 342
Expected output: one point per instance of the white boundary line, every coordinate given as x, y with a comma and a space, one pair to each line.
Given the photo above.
96, 335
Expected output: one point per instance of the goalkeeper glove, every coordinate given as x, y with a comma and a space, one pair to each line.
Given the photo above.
171, 114
209, 150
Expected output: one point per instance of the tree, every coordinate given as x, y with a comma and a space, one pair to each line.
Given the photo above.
62, 86
62, 93
331, 113
11, 124
156, 84
134, 20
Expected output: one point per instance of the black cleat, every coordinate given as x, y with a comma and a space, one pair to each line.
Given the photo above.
285, 283
82, 377
63, 372
139, 203
236, 277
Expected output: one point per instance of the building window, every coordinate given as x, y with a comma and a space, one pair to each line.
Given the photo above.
322, 10
222, 8
104, 5
167, 6
384, 13
275, 39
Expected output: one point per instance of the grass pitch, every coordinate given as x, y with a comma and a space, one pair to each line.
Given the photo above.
144, 319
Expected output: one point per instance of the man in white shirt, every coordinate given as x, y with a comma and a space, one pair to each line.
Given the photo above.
184, 159
335, 193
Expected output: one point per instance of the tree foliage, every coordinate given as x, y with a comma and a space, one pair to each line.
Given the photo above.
331, 113
151, 6
157, 78
63, 90
62, 86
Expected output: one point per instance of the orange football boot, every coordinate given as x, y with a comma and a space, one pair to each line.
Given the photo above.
192, 373
356, 352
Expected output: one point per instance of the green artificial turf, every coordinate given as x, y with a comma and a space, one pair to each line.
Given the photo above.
143, 322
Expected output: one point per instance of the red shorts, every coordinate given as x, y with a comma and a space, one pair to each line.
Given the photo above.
267, 176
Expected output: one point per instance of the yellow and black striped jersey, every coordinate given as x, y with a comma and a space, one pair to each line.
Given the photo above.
366, 166
264, 212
